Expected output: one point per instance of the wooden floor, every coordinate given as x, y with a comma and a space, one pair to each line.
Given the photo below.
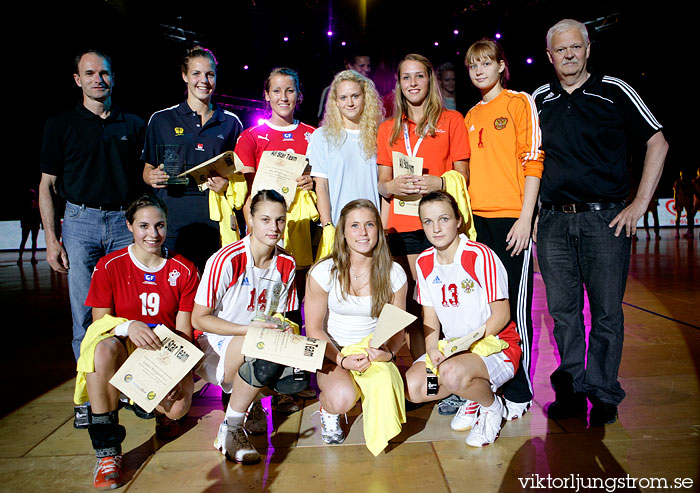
656, 437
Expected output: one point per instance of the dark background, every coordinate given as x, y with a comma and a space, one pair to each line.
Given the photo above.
643, 44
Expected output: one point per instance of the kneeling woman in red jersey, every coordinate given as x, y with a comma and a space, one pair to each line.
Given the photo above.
463, 287
241, 280
147, 285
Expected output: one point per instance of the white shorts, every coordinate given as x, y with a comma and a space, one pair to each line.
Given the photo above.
498, 365
211, 366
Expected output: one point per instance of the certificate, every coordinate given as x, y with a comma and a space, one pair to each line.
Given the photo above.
284, 348
224, 164
459, 344
391, 320
406, 205
279, 171
147, 376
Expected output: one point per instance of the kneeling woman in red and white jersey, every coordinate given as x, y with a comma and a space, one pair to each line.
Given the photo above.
240, 280
462, 286
147, 285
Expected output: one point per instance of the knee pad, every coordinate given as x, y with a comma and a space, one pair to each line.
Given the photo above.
259, 373
287, 384
106, 435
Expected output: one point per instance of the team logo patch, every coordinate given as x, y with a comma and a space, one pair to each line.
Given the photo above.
437, 280
172, 277
287, 136
500, 123
179, 131
467, 286
199, 147
149, 278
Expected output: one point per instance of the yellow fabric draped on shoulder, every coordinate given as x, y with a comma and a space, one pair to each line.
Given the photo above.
297, 231
221, 207
456, 185
383, 400
97, 332
325, 246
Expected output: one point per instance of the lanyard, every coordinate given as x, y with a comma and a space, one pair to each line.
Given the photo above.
407, 141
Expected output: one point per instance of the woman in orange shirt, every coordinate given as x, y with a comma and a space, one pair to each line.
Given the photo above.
420, 128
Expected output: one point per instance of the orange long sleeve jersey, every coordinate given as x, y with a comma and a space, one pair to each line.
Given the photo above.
505, 141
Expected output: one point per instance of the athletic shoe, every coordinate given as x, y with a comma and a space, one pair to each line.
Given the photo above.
166, 428
572, 407
514, 410
82, 416
256, 419
307, 393
286, 404
108, 473
232, 441
602, 413
486, 429
450, 405
331, 432
466, 415
137, 410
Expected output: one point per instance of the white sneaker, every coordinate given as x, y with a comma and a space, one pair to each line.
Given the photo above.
486, 428
515, 410
466, 416
232, 441
256, 419
331, 432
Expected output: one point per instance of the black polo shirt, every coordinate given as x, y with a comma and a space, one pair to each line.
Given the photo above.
96, 160
195, 143
586, 138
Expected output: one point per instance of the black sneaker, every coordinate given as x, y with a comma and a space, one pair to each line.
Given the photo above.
137, 410
565, 408
602, 413
82, 416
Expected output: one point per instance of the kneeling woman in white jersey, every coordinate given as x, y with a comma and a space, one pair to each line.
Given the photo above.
147, 285
240, 280
462, 286
351, 287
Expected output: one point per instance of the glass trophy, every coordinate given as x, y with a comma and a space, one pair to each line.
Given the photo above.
266, 310
170, 161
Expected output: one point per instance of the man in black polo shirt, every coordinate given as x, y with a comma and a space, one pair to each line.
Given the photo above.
90, 159
589, 123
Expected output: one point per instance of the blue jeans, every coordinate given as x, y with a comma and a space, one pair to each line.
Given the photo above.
577, 250
88, 235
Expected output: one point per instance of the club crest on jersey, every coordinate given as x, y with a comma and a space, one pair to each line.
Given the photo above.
467, 286
500, 123
179, 131
287, 136
245, 282
307, 136
437, 280
149, 278
199, 147
172, 277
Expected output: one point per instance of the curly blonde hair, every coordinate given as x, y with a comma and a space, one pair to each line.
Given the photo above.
433, 106
372, 114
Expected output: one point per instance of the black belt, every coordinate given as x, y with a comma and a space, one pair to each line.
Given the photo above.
106, 207
582, 207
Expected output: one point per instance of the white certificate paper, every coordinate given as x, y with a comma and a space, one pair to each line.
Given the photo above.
224, 164
391, 320
460, 344
406, 205
147, 376
284, 348
279, 171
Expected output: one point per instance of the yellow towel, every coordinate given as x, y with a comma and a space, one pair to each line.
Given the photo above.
98, 331
483, 347
297, 231
325, 246
221, 207
383, 401
456, 185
